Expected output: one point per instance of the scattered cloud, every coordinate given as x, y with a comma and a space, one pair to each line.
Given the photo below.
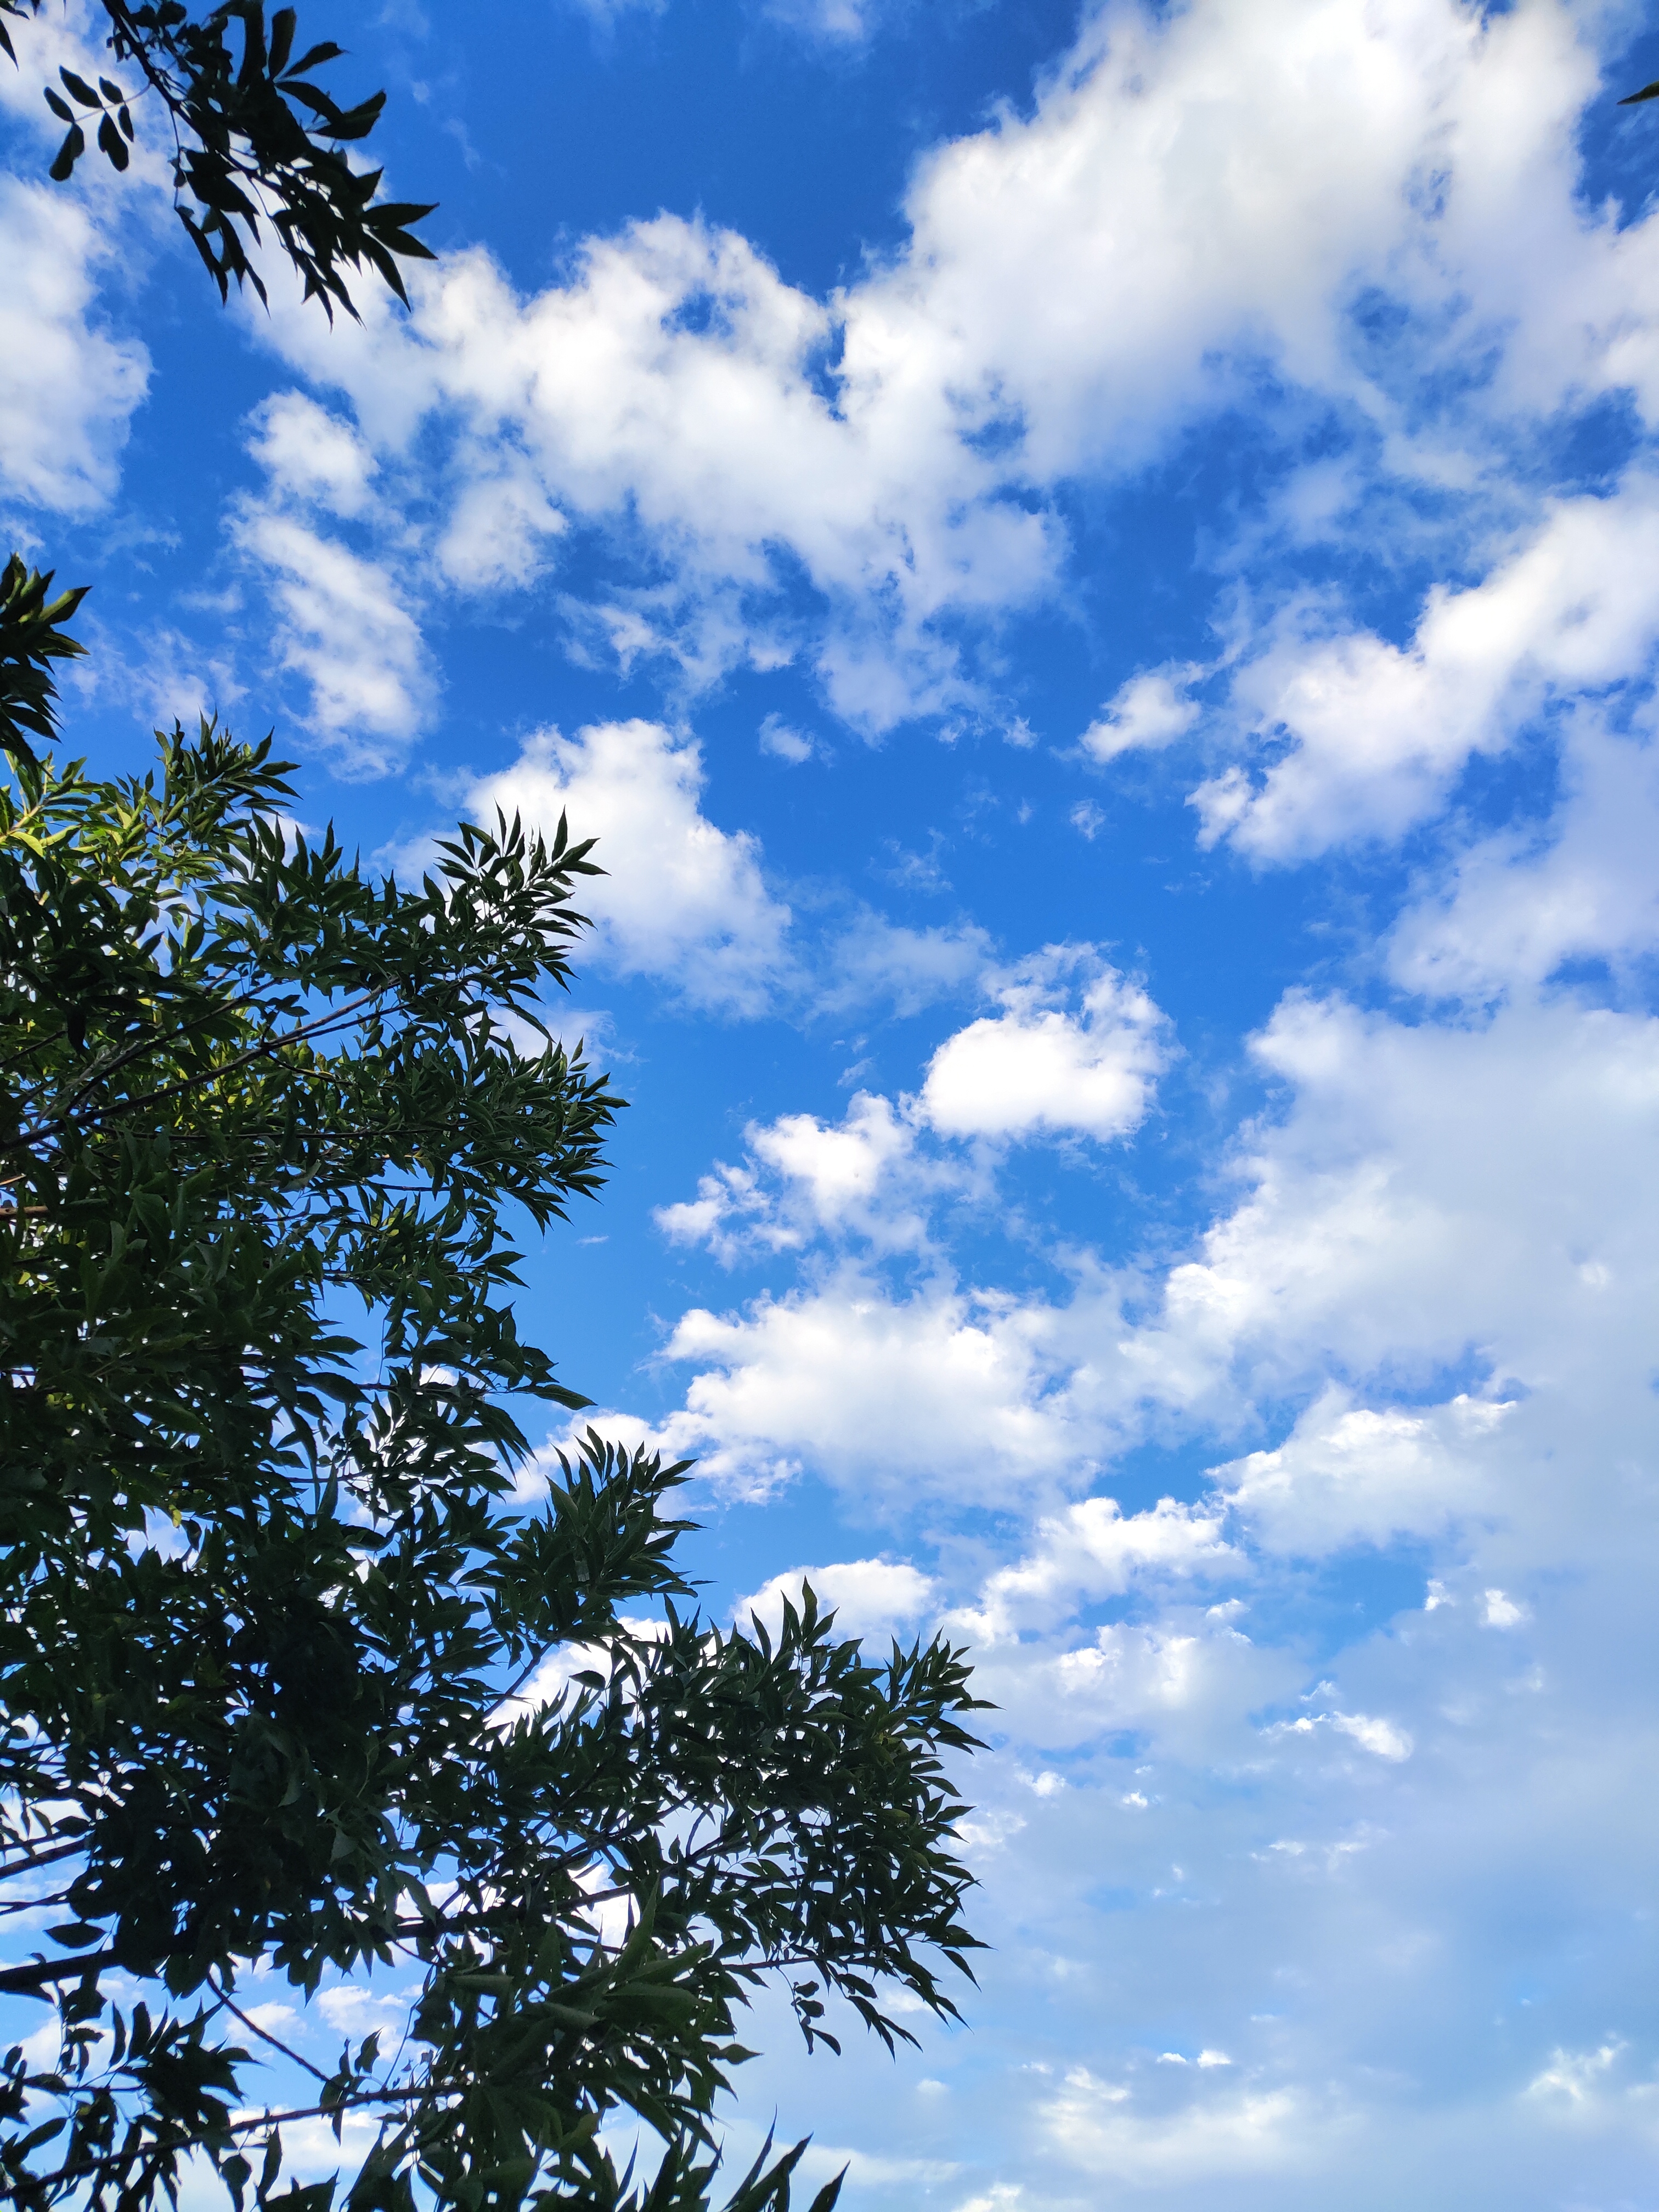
682, 900
783, 742
1039, 1069
61, 446
893, 452
1148, 713
1349, 1475
869, 1597
1370, 736
342, 626
311, 456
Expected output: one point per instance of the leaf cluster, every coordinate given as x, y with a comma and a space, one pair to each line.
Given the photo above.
300, 1670
256, 138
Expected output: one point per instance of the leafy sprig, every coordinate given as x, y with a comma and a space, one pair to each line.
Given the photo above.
256, 136
308, 1663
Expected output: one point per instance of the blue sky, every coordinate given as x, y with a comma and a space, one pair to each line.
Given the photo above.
1097, 576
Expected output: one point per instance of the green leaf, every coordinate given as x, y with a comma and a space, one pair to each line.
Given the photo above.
75, 1935
273, 1589
112, 143
74, 145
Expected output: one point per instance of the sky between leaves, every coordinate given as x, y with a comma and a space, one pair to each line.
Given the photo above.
1097, 578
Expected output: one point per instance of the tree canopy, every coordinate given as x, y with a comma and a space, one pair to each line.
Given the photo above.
306, 1670
256, 138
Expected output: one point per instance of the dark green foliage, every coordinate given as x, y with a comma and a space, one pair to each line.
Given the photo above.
268, 1597
255, 137
32, 636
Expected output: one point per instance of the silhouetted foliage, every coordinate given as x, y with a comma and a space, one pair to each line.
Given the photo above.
305, 1666
255, 138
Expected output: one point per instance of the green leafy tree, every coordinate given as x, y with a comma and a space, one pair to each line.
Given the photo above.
256, 138
275, 1624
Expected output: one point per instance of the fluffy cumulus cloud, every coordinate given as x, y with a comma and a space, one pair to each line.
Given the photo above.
1095, 1550
1148, 713
868, 1597
311, 457
681, 900
1430, 1198
1075, 1051
80, 385
79, 377
1037, 1068
1428, 1301
943, 1391
1513, 907
343, 629
1097, 2128
673, 387
1370, 736
1351, 1473
341, 619
895, 448
803, 1178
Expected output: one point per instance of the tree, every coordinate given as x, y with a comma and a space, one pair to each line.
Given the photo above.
291, 1675
255, 135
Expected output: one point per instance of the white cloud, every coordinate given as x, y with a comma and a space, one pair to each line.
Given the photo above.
1033, 1069
803, 1178
1511, 909
1093, 2124
1428, 1197
681, 900
171, 677
1382, 1738
605, 15
1094, 1550
1407, 1211
1149, 712
71, 251
1413, 1202
1376, 734
838, 1169
1576, 2076
942, 1394
1184, 1686
501, 527
312, 456
1502, 1611
669, 391
1312, 1877
870, 1598
1349, 1475
676, 394
835, 22
875, 961
1036, 1069
783, 742
340, 625
350, 2009
77, 385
